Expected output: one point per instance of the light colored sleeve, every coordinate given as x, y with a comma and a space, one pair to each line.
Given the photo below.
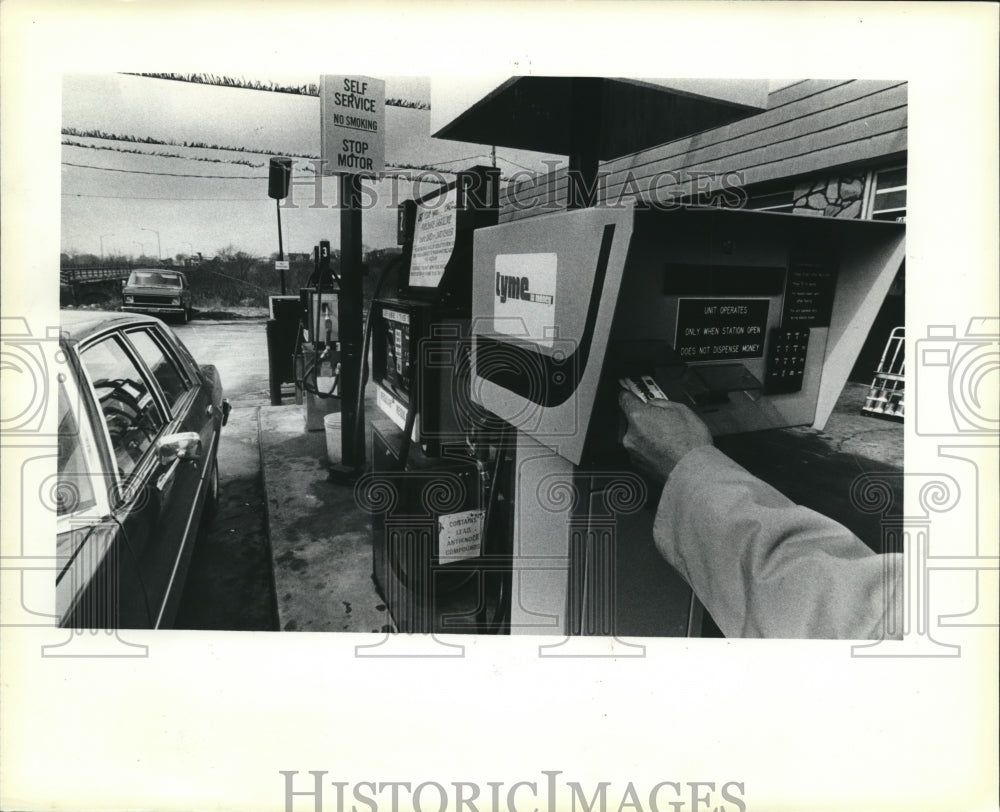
762, 565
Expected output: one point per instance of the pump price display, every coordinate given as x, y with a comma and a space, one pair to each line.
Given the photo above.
352, 125
721, 329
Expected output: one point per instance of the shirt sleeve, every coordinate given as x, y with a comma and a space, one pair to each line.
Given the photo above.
762, 565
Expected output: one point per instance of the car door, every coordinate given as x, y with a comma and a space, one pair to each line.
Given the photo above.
151, 500
189, 408
98, 584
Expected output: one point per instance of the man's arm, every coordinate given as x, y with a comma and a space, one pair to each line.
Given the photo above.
762, 565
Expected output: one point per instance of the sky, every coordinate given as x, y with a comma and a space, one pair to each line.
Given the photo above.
133, 203
193, 200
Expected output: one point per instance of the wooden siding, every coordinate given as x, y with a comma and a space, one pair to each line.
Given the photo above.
811, 126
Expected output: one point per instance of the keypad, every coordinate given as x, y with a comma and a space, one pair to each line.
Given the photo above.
786, 360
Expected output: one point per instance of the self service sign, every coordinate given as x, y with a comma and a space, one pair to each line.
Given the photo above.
352, 125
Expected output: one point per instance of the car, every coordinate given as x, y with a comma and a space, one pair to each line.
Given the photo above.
157, 291
139, 423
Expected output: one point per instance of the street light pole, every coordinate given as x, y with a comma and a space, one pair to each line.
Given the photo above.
281, 247
159, 254
102, 243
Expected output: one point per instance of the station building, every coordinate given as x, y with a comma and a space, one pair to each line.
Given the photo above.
819, 147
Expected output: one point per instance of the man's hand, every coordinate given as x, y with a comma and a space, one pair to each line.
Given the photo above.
660, 433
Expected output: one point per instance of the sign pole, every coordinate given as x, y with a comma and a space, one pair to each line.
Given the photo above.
281, 248
352, 145
350, 313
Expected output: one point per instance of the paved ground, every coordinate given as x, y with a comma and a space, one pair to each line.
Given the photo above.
238, 348
818, 468
230, 583
321, 539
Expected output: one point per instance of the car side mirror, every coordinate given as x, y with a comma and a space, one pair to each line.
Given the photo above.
124, 284
185, 445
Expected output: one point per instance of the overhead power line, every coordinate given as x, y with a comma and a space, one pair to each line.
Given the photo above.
153, 141
400, 172
161, 154
164, 174
171, 142
168, 199
482, 155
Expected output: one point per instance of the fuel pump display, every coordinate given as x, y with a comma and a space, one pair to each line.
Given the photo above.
751, 319
394, 370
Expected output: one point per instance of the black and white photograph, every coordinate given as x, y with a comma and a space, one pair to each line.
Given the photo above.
491, 388
365, 412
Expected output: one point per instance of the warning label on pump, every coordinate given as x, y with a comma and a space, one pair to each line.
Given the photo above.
395, 410
433, 240
460, 535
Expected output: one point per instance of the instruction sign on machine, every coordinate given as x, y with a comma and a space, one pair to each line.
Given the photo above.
352, 124
433, 240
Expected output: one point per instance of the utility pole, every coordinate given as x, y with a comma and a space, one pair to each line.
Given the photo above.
279, 176
159, 254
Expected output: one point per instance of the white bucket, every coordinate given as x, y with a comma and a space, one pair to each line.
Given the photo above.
331, 423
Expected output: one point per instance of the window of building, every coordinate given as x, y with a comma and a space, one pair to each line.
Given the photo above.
887, 197
783, 200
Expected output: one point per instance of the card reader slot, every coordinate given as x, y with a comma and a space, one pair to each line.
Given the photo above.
713, 383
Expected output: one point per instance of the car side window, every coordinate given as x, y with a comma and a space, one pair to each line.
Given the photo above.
130, 411
164, 367
76, 488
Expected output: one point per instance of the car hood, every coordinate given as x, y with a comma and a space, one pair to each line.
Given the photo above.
155, 290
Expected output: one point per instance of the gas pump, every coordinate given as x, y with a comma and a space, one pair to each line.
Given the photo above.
437, 462
752, 319
318, 360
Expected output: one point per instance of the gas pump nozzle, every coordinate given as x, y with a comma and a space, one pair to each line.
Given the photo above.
327, 328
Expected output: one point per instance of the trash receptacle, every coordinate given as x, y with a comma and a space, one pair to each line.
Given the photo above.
282, 331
